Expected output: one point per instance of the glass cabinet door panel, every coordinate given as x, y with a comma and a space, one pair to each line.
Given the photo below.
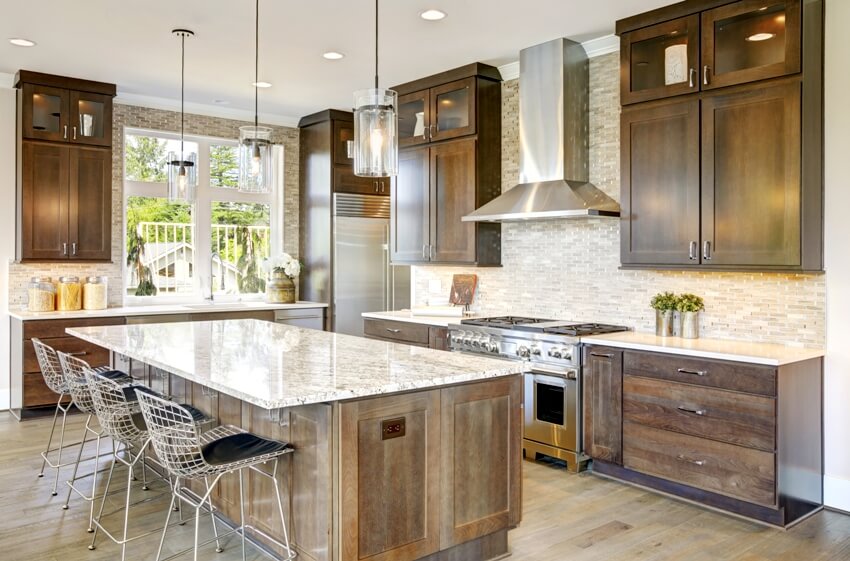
453, 109
751, 41
91, 118
661, 60
413, 118
45, 112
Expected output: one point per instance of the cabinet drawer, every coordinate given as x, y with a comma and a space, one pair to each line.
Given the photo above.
397, 331
94, 355
346, 182
735, 376
737, 418
742, 473
36, 392
47, 328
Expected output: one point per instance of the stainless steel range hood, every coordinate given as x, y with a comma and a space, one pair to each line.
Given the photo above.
554, 152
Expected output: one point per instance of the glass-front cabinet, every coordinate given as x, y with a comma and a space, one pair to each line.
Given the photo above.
661, 60
62, 115
91, 118
750, 40
439, 113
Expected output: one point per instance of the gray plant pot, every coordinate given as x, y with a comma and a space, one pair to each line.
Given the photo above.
689, 325
664, 323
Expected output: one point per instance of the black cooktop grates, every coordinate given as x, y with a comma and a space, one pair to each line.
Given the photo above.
554, 327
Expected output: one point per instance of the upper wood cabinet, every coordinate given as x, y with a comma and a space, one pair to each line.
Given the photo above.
64, 168
450, 124
733, 43
731, 177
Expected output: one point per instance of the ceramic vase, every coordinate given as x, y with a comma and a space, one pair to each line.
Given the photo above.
280, 289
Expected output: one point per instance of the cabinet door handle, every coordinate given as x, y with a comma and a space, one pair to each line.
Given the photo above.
375, 183
75, 132
73, 248
64, 248
700, 412
382, 187
692, 77
692, 372
432, 252
602, 355
706, 251
424, 251
432, 129
81, 353
65, 132
706, 75
683, 458
692, 251
426, 132
393, 330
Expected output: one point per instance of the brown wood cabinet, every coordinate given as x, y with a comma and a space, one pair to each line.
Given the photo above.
727, 434
64, 169
603, 403
448, 170
730, 178
416, 334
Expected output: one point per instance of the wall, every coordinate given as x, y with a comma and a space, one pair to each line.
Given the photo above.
568, 269
837, 481
158, 119
7, 222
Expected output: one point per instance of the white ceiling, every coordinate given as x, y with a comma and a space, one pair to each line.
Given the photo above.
129, 42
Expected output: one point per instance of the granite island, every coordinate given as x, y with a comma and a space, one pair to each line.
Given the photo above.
401, 452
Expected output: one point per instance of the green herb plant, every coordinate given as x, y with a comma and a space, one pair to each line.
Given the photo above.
664, 302
689, 303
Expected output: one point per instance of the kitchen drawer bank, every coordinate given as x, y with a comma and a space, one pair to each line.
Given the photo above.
728, 434
30, 396
401, 327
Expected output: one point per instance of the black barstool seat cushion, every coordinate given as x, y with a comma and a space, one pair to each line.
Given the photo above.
114, 375
242, 446
197, 415
130, 392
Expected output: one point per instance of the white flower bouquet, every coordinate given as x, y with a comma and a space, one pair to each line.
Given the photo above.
283, 263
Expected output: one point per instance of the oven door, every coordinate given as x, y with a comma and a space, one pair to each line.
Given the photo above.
551, 408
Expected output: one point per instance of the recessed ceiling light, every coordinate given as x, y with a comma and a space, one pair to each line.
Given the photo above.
262, 84
333, 55
432, 15
20, 42
761, 37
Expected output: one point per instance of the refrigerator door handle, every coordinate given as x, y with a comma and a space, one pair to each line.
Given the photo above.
388, 271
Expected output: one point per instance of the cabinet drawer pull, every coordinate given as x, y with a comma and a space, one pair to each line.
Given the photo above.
692, 372
700, 412
602, 355
692, 77
393, 330
80, 353
683, 458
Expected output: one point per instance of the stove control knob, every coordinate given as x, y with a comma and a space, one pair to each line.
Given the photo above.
477, 341
523, 352
535, 350
486, 345
567, 353
466, 340
494, 347
555, 353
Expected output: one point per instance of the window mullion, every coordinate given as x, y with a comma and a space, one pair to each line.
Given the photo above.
203, 218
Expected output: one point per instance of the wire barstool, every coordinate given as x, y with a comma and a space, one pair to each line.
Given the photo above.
188, 455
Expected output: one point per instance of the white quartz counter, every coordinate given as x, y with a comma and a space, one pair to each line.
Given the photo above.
168, 309
740, 351
273, 366
408, 317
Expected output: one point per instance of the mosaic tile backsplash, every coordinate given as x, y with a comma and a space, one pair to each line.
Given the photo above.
569, 269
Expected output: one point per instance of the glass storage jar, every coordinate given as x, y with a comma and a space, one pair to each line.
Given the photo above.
41, 295
95, 293
69, 294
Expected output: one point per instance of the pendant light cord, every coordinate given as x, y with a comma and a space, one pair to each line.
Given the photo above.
182, 92
256, 65
376, 44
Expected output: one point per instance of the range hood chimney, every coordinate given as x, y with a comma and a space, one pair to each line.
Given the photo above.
554, 177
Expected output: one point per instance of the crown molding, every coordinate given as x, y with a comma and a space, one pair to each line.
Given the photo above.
7, 80
223, 112
595, 47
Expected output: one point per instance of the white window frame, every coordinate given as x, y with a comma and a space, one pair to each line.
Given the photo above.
201, 215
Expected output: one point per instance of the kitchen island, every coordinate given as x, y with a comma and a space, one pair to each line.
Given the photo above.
401, 452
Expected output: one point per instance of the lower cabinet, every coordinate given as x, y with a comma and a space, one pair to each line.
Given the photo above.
742, 437
416, 334
429, 471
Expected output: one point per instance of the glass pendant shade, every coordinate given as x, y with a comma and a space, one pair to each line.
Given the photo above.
255, 159
182, 177
375, 133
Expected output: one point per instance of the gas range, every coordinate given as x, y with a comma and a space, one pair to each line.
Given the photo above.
552, 389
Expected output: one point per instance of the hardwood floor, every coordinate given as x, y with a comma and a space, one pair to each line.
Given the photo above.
575, 517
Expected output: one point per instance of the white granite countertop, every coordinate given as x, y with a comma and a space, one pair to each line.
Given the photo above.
740, 351
408, 317
272, 365
167, 309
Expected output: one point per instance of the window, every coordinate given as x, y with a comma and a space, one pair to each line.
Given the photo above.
218, 244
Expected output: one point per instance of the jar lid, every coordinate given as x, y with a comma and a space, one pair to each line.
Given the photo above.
69, 279
96, 280
41, 279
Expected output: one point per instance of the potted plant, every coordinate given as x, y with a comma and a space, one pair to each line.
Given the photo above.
664, 303
282, 269
689, 306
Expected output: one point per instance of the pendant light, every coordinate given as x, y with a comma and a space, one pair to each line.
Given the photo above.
255, 142
375, 127
182, 172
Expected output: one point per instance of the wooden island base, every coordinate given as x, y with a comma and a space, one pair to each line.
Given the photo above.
432, 474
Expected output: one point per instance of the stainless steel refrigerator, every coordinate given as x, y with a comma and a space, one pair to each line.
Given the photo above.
363, 279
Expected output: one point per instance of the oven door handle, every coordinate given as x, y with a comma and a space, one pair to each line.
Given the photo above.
570, 374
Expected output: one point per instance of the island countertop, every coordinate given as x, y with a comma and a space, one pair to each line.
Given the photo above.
275, 366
